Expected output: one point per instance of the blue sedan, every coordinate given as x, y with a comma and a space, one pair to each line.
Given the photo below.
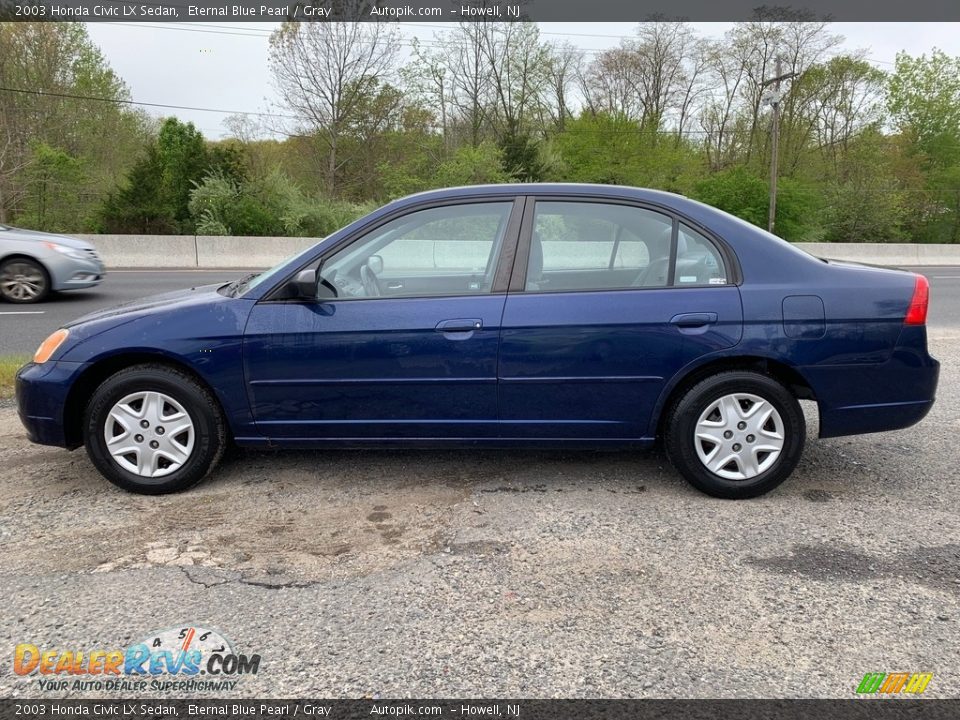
500, 316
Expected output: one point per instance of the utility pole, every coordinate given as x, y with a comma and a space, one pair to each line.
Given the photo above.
775, 138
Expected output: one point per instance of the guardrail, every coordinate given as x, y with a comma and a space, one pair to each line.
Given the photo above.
254, 253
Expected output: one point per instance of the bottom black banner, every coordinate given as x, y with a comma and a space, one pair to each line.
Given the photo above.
475, 709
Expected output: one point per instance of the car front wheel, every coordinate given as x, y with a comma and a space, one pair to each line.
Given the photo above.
153, 429
23, 281
736, 434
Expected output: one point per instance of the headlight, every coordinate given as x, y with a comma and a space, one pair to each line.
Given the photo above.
49, 346
75, 253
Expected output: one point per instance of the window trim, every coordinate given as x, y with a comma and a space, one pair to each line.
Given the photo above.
518, 278
505, 259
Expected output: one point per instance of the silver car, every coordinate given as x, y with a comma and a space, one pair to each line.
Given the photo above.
32, 264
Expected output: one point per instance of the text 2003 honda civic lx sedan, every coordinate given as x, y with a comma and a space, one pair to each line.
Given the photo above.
514, 315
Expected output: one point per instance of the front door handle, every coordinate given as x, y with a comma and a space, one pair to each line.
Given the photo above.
693, 320
461, 325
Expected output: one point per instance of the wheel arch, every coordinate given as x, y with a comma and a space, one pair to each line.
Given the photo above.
782, 372
31, 258
86, 384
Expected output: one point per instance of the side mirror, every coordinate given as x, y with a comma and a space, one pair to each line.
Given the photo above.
305, 284
375, 263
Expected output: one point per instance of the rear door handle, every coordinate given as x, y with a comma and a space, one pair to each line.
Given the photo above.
693, 320
460, 325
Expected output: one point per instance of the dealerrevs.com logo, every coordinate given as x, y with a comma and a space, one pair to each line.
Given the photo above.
890, 683
182, 659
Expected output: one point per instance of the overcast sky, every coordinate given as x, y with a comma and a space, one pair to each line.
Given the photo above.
224, 66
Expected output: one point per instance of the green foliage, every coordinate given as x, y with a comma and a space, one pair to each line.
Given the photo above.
102, 137
600, 148
863, 156
865, 202
183, 161
741, 193
269, 206
924, 100
139, 206
522, 159
610, 149
54, 183
156, 195
472, 166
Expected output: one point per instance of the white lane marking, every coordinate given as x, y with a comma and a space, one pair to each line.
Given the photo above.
23, 312
945, 277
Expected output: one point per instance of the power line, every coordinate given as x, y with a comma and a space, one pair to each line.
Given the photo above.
119, 101
71, 96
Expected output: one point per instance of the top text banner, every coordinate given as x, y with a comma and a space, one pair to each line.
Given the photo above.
478, 10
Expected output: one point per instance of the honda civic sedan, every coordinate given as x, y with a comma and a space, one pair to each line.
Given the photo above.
546, 316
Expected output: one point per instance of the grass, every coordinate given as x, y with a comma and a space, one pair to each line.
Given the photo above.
9, 364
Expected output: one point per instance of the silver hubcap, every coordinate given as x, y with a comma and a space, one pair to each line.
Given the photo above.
739, 436
149, 434
20, 281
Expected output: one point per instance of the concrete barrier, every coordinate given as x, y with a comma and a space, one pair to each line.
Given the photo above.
135, 251
886, 253
214, 251
254, 253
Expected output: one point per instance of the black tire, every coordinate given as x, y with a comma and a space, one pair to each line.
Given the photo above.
20, 266
685, 413
210, 434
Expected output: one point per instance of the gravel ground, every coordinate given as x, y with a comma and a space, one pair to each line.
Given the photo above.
448, 574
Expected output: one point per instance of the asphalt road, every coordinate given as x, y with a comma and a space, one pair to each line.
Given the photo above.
23, 327
510, 574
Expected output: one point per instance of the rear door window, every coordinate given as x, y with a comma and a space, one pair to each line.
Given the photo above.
699, 261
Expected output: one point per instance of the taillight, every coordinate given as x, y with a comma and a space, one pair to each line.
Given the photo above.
917, 312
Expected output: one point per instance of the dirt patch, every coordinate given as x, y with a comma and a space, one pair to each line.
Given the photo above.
324, 516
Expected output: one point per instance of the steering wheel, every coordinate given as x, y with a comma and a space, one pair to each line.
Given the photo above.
371, 288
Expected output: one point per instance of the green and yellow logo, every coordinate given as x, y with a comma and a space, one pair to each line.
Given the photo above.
890, 683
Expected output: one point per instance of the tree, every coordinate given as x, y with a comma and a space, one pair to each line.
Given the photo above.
740, 193
156, 194
139, 206
37, 59
924, 100
53, 198
183, 157
324, 71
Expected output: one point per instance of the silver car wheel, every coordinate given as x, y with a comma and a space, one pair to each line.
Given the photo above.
22, 281
739, 436
149, 434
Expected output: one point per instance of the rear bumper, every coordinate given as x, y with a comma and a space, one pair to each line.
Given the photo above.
41, 397
896, 394
860, 419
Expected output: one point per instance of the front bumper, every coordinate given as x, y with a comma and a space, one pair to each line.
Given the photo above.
68, 273
42, 392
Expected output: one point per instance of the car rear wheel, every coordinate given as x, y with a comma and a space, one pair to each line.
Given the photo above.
736, 434
23, 280
153, 429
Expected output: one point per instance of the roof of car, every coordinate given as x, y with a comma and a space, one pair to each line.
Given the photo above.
548, 189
